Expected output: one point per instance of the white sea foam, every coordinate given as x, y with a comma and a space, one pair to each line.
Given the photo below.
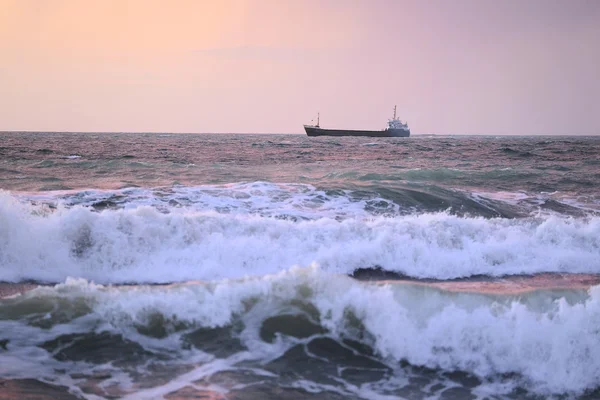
549, 342
507, 197
584, 203
143, 244
262, 198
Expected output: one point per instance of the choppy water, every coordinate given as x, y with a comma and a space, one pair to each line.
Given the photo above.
219, 265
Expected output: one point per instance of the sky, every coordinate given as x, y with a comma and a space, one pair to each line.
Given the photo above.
268, 66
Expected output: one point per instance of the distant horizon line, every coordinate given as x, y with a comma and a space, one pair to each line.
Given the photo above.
300, 134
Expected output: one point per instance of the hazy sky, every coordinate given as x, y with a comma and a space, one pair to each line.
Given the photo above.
451, 66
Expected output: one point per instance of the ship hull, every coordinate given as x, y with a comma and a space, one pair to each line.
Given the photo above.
314, 131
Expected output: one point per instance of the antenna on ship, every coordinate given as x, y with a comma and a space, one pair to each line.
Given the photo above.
394, 112
318, 117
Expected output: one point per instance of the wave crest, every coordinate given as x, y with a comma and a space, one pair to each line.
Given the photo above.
145, 245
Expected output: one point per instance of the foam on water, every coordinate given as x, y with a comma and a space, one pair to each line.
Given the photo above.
546, 340
142, 243
262, 198
428, 207
590, 204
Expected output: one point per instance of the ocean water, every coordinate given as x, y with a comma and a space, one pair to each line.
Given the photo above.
184, 266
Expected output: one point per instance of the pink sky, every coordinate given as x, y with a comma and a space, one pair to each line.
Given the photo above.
451, 66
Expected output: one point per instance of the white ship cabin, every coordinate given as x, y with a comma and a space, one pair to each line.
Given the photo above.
395, 123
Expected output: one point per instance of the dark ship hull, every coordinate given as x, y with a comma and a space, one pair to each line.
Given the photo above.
315, 131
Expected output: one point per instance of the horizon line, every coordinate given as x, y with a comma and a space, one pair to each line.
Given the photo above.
302, 134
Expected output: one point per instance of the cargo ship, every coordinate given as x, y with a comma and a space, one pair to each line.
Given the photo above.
396, 128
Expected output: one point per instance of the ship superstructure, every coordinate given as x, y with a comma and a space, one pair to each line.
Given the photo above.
396, 128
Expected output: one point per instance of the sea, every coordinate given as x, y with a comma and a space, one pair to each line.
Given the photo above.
258, 266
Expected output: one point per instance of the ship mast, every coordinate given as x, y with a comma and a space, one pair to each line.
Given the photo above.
394, 112
318, 117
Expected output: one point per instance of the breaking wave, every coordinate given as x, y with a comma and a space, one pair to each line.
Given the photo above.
545, 341
147, 244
